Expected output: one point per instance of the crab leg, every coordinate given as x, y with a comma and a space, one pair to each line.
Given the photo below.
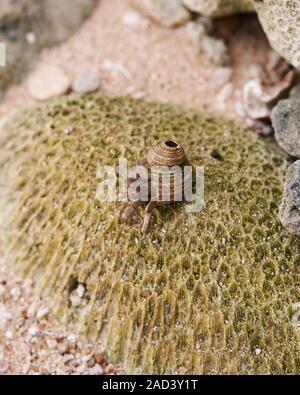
148, 216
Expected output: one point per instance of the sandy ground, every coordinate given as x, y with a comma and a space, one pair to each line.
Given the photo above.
133, 56
33, 342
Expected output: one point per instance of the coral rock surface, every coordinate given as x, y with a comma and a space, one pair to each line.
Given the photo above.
201, 293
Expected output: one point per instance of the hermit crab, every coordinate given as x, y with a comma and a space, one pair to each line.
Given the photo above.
162, 182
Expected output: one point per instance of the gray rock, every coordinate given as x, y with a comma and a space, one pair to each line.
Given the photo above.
286, 122
289, 211
295, 92
86, 83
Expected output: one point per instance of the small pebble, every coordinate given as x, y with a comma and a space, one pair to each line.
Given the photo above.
91, 362
51, 343
30, 38
80, 290
9, 335
15, 293
67, 358
71, 338
47, 82
42, 313
75, 299
254, 101
81, 368
257, 351
69, 130
131, 18
86, 83
31, 310
62, 348
87, 358
33, 331
3, 367
97, 369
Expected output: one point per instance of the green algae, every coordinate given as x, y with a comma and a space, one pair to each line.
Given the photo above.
201, 292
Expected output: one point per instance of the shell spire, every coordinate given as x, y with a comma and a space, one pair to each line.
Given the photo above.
169, 153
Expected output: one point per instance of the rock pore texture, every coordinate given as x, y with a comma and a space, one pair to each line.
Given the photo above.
201, 293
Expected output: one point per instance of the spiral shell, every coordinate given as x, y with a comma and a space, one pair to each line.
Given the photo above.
169, 153
167, 162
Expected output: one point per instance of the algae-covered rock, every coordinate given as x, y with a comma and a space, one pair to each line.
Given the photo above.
28, 26
201, 292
